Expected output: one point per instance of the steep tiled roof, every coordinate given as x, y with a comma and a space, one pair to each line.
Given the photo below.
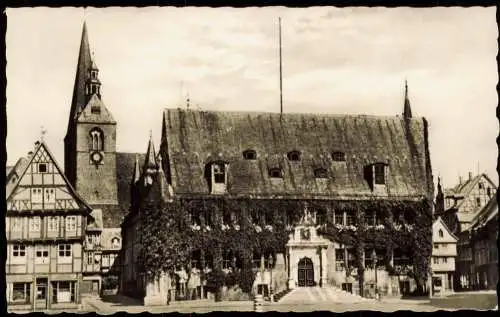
196, 137
486, 214
107, 236
97, 223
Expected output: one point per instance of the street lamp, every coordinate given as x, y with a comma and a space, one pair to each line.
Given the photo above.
271, 277
374, 259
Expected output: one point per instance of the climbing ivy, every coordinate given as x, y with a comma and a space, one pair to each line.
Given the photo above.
168, 238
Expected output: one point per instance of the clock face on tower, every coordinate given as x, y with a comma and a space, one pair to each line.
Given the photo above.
96, 157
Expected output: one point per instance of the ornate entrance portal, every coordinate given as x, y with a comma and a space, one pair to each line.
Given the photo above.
305, 272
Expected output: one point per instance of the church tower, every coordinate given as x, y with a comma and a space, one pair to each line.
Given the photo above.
90, 142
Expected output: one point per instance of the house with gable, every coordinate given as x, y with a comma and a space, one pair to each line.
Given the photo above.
45, 226
444, 252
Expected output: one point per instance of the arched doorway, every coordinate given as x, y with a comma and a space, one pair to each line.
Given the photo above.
305, 272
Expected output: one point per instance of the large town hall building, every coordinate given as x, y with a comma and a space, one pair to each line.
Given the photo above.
316, 164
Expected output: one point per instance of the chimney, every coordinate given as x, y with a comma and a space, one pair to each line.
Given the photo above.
470, 175
460, 180
30, 153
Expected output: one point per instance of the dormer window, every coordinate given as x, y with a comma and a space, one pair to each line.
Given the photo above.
250, 155
376, 174
219, 173
275, 173
338, 156
481, 185
217, 177
293, 156
320, 173
441, 234
379, 171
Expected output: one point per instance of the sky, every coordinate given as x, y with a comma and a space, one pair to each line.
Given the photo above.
335, 60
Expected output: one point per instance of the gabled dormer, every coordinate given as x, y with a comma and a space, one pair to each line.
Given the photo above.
216, 172
376, 175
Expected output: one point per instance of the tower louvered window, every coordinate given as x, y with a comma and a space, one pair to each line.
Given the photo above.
96, 140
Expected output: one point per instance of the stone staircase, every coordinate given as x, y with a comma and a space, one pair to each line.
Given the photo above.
309, 295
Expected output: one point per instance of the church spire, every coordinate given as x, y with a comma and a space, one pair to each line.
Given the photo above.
407, 106
164, 126
82, 68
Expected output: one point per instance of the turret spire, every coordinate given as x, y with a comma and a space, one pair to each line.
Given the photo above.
164, 126
150, 161
137, 172
407, 107
439, 199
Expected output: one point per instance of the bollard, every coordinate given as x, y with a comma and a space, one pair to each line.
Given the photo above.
257, 302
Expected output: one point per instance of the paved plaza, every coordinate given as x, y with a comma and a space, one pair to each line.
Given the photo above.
473, 300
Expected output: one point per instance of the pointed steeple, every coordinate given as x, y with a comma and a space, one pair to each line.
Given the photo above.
150, 163
137, 172
164, 126
82, 68
439, 199
407, 107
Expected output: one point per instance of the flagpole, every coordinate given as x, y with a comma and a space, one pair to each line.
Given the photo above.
281, 71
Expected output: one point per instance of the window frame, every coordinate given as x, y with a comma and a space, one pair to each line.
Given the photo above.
320, 173
250, 154
42, 254
379, 174
338, 156
294, 156
45, 169
56, 289
64, 253
70, 222
36, 223
219, 173
275, 173
26, 293
53, 224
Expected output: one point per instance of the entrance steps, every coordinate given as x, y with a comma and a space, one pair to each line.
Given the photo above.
321, 294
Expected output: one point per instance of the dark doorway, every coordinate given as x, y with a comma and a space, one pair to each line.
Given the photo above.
305, 272
41, 293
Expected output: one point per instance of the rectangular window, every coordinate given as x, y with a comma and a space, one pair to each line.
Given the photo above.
436, 246
36, 195
339, 259
227, 259
35, 223
42, 254
18, 251
445, 260
21, 293
53, 224
71, 223
219, 173
42, 167
436, 260
339, 217
90, 256
50, 196
64, 253
370, 218
63, 292
350, 218
379, 170
17, 224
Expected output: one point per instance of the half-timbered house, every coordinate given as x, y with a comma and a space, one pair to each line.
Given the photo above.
46, 222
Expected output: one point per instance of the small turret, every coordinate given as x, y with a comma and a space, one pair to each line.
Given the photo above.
407, 107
